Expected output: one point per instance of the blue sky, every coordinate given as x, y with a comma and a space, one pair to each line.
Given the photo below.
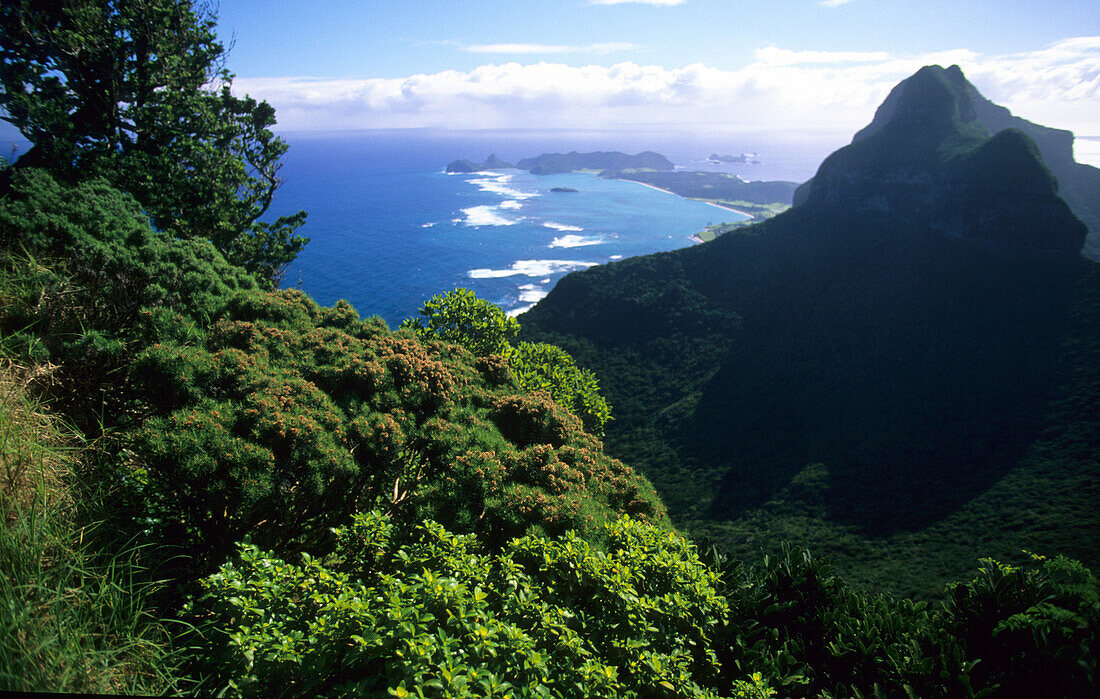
392, 39
802, 65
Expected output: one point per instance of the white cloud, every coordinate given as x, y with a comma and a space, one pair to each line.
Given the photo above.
833, 3
605, 48
807, 91
640, 2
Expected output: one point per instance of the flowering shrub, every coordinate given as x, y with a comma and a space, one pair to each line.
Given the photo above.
459, 316
286, 418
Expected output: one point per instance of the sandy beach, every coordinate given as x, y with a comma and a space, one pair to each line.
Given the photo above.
720, 206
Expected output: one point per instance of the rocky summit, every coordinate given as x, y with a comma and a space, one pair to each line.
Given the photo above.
927, 157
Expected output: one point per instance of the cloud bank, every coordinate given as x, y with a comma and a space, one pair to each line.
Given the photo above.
782, 89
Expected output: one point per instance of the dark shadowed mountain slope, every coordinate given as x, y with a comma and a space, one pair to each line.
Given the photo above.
902, 372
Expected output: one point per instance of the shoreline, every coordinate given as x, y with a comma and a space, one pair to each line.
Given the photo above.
704, 201
728, 208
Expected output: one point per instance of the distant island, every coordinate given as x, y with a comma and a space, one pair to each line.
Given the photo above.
759, 200
491, 163
731, 159
558, 163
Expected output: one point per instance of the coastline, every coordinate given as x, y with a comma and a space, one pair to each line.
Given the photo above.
712, 203
728, 208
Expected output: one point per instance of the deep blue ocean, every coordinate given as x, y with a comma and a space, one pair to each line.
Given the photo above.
389, 228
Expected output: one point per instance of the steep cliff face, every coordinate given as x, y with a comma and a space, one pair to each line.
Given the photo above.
1055, 145
927, 157
947, 90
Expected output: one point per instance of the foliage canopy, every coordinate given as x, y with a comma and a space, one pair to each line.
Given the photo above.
484, 329
136, 92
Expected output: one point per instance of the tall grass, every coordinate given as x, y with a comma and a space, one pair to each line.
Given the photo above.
73, 618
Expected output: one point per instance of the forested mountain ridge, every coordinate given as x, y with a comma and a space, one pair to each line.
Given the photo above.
882, 371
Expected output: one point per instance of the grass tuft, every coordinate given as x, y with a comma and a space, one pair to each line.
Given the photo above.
72, 619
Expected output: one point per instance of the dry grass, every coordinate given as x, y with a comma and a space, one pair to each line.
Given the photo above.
33, 454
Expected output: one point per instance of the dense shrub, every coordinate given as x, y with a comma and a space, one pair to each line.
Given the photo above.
459, 316
1035, 627
286, 417
793, 620
425, 612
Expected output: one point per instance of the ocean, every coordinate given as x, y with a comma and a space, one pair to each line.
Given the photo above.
388, 228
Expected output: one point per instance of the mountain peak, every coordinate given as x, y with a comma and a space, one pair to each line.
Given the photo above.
928, 159
931, 96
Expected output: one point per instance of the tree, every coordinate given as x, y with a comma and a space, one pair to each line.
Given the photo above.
459, 316
543, 367
136, 92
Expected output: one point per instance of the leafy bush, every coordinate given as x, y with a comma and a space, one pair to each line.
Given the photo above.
1034, 627
545, 367
459, 316
423, 611
483, 328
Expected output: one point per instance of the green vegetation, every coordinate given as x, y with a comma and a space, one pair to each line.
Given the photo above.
424, 610
137, 94
758, 211
403, 609
713, 231
213, 486
73, 619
